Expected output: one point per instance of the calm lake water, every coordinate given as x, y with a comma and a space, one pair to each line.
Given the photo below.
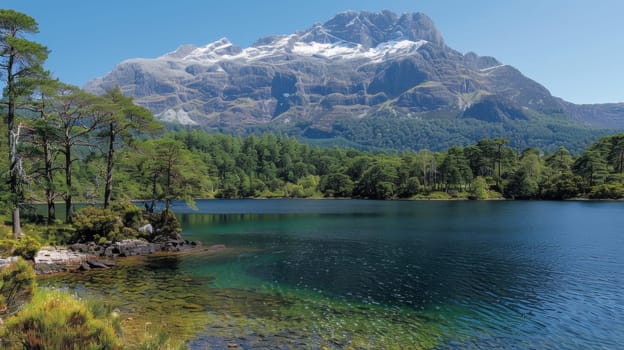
383, 274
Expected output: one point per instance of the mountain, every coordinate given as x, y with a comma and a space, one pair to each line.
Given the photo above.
360, 78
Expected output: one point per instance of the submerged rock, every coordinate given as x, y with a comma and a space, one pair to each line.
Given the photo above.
216, 248
94, 264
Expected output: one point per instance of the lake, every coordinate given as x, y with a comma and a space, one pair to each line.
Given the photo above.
381, 274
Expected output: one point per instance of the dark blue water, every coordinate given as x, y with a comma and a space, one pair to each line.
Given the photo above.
513, 275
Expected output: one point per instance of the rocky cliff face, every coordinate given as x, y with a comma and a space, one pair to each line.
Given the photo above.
356, 65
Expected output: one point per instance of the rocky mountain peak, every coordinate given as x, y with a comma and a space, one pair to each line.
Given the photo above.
480, 62
372, 29
418, 26
181, 51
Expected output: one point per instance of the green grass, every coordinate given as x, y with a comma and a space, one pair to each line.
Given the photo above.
57, 320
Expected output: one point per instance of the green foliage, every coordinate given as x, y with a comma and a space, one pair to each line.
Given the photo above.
562, 186
165, 225
170, 171
6, 247
17, 285
479, 188
278, 166
130, 214
378, 181
336, 185
438, 134
57, 320
607, 191
436, 195
58, 234
27, 247
95, 224
21, 61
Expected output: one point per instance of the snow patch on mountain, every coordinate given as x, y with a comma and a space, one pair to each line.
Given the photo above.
176, 116
484, 70
224, 50
351, 51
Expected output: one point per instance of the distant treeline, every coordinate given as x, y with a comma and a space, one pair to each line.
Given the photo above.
194, 164
276, 166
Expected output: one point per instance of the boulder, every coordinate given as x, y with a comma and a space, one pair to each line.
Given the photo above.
147, 229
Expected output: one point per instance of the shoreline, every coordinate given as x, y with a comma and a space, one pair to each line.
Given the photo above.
423, 199
579, 199
88, 256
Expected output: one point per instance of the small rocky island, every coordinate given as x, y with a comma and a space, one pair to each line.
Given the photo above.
101, 235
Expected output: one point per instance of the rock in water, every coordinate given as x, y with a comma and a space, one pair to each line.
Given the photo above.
96, 264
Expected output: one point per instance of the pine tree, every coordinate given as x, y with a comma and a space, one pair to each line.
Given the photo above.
20, 60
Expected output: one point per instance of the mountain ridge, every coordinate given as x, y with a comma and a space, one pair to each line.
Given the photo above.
355, 66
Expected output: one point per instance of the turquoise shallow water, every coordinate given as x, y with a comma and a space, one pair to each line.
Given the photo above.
393, 274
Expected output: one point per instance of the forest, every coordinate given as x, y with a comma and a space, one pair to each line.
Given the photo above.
193, 164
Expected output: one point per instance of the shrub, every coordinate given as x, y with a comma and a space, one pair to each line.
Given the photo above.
27, 247
479, 188
99, 225
93, 224
130, 214
17, 285
6, 246
57, 320
58, 234
165, 224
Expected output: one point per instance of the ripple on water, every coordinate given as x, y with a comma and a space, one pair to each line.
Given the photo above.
438, 275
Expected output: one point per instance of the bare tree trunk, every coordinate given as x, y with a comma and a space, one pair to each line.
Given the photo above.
108, 188
167, 192
16, 170
68, 184
153, 204
51, 207
49, 181
17, 226
13, 159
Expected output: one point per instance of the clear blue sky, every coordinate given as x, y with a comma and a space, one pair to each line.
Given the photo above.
573, 47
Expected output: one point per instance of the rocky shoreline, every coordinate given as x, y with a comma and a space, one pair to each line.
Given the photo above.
87, 256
